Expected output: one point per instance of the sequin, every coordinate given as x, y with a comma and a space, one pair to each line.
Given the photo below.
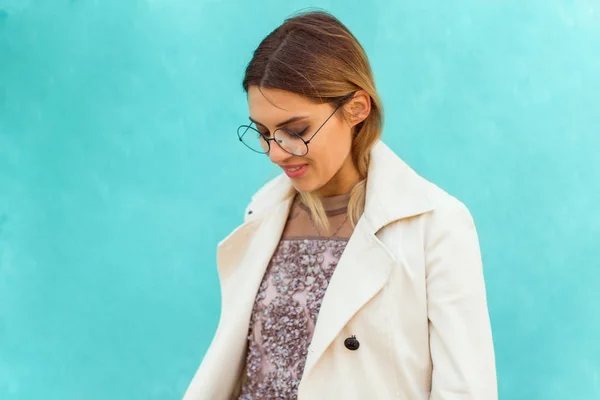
284, 315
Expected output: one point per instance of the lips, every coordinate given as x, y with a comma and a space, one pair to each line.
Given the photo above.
295, 171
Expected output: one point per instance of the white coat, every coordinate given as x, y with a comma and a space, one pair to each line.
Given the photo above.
409, 286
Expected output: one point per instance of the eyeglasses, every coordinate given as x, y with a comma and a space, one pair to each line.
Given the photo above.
289, 141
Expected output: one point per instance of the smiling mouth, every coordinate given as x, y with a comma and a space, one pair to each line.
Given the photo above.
295, 171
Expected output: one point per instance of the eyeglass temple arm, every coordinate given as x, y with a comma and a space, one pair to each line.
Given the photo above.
328, 118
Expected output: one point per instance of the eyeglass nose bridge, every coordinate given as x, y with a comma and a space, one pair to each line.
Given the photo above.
269, 146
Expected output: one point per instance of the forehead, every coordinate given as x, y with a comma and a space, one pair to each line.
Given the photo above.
271, 106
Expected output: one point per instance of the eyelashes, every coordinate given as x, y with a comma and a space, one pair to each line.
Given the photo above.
299, 133
302, 132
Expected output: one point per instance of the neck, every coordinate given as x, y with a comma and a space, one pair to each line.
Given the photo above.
342, 182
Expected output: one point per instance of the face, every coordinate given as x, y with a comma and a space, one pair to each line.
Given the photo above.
327, 168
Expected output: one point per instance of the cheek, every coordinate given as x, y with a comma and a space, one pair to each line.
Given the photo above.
329, 154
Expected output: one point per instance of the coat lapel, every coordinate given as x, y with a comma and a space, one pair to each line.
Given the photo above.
243, 256
362, 271
394, 192
242, 259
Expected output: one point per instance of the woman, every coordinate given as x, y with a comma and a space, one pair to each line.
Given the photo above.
352, 277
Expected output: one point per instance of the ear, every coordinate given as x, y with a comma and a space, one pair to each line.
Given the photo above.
358, 108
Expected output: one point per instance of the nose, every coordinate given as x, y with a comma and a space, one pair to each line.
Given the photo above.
277, 154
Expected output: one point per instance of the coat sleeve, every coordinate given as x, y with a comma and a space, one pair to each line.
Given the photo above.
460, 336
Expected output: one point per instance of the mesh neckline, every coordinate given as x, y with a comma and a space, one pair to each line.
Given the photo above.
333, 205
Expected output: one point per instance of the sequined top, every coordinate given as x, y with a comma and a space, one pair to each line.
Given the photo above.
288, 301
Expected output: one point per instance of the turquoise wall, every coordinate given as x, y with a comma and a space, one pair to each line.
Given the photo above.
120, 171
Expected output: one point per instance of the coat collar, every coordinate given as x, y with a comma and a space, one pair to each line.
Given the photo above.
394, 191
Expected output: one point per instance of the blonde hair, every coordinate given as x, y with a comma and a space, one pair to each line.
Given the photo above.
314, 55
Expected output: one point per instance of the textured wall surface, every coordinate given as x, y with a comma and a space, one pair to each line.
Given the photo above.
120, 170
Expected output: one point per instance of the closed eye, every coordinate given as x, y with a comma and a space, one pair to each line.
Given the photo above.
283, 123
299, 132
303, 132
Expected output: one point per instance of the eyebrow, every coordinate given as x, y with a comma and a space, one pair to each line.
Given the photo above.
287, 121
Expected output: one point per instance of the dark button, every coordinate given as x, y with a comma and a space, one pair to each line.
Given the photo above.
351, 343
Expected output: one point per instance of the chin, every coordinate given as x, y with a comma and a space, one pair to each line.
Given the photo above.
306, 186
